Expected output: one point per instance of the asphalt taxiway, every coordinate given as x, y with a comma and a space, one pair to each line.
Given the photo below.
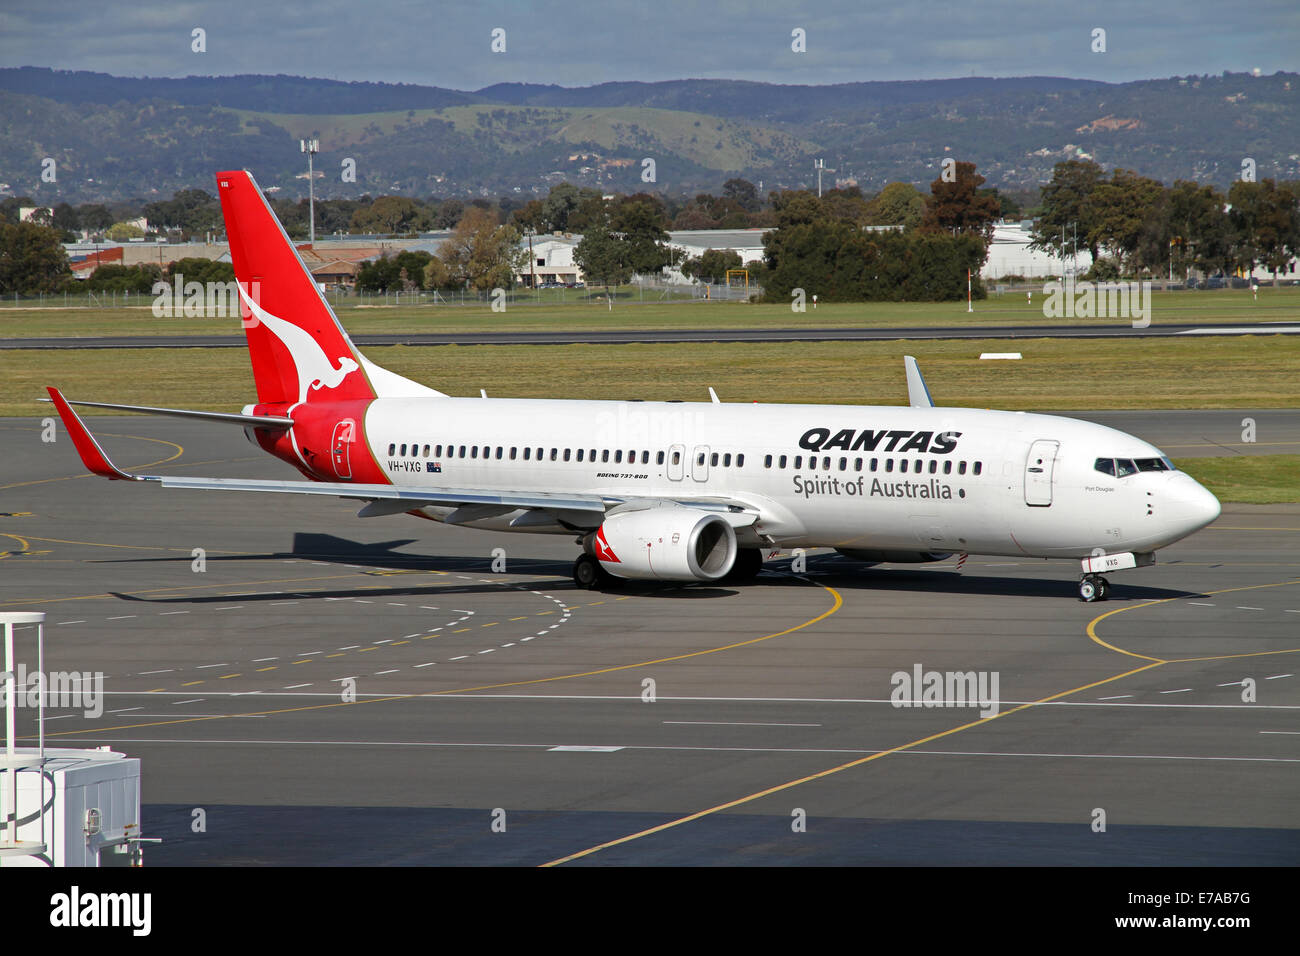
504, 717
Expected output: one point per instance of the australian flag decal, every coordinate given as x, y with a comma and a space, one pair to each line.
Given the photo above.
433, 466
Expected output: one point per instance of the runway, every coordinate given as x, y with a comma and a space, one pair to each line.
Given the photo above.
628, 336
509, 719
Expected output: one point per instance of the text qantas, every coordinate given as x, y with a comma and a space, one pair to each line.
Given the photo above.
849, 439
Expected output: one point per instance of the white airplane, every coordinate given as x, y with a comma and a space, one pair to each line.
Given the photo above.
672, 491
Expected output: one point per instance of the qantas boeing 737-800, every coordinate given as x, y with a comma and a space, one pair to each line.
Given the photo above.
672, 491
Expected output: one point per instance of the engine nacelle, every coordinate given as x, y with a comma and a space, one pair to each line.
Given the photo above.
665, 543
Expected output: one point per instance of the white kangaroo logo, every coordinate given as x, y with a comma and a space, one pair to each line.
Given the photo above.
315, 371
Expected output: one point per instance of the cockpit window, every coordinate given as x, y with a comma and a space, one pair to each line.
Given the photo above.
1152, 464
1124, 467
1105, 465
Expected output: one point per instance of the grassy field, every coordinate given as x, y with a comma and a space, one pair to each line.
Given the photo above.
1251, 479
571, 309
1055, 374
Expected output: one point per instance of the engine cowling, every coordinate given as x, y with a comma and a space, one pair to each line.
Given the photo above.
665, 543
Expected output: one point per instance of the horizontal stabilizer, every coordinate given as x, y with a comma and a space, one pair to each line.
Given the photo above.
258, 421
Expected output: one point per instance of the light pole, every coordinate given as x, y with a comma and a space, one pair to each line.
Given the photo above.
311, 147
821, 167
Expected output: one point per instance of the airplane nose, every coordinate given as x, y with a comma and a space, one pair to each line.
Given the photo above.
1194, 504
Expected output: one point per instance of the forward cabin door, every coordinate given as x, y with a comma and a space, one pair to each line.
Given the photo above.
1039, 467
700, 463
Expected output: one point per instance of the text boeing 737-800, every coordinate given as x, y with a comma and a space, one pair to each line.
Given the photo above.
672, 491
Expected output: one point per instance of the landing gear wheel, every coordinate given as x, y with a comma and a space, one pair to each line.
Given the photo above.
587, 572
1088, 589
1103, 589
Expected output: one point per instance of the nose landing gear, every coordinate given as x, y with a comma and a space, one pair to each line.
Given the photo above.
1093, 587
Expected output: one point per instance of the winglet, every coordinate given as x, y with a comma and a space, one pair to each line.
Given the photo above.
918, 396
92, 456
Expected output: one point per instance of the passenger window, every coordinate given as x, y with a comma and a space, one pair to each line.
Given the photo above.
555, 453
713, 459
677, 458
740, 461
604, 455
437, 452
426, 451
618, 456
403, 449
528, 454
645, 457
826, 463
979, 466
961, 467
780, 462
934, 466
659, 458
844, 464
947, 467
767, 461
889, 464
812, 462
857, 464
798, 461
514, 451
874, 462
392, 449
592, 455
499, 450
726, 460
902, 465
473, 451
566, 454
462, 452
580, 454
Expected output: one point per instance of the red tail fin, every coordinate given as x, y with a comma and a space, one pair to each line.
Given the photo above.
298, 348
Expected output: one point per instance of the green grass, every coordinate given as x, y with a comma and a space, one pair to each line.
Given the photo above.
1055, 374
581, 310
1249, 479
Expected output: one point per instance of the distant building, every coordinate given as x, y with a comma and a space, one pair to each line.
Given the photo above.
1010, 255
551, 262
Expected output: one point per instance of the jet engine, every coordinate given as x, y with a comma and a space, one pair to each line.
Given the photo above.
664, 542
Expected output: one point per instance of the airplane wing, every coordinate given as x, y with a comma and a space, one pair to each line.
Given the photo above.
384, 499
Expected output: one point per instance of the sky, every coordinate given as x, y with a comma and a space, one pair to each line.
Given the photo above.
583, 42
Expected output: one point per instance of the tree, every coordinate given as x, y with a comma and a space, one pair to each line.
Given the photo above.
712, 264
31, 258
898, 204
1063, 206
123, 231
743, 192
1198, 227
957, 207
1122, 214
1277, 227
391, 215
118, 278
603, 258
482, 254
638, 223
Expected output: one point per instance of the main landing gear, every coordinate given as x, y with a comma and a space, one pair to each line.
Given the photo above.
1094, 587
590, 576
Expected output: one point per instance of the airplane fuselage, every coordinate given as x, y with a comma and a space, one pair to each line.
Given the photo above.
868, 478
